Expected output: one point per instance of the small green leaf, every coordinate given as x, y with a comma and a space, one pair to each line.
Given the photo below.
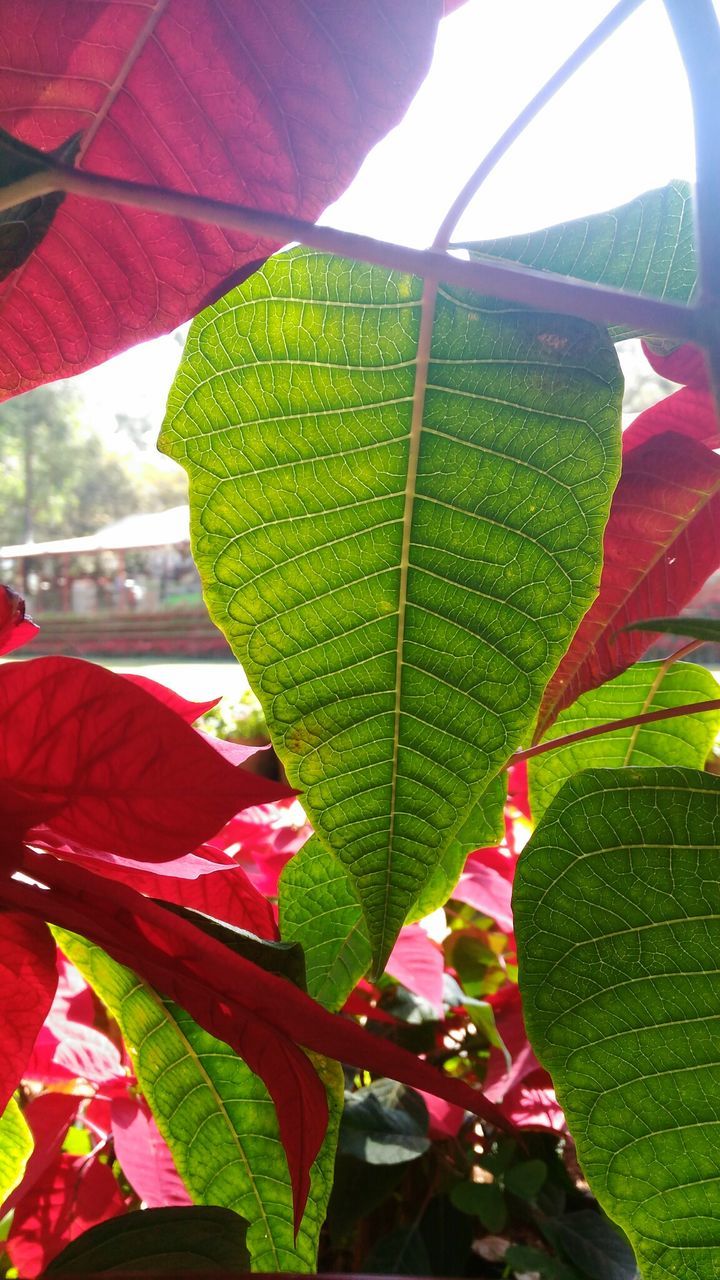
398, 587
384, 1123
16, 1146
286, 959
524, 1258
400, 1253
23, 226
645, 246
692, 628
647, 686
617, 915
483, 1200
526, 1179
320, 910
596, 1245
188, 1241
215, 1114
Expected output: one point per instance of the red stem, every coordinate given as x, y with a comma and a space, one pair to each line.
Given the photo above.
647, 717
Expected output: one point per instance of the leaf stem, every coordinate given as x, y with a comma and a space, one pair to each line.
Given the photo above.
513, 283
649, 717
558, 79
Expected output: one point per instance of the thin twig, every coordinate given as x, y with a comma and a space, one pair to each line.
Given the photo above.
541, 289
662, 671
606, 28
649, 717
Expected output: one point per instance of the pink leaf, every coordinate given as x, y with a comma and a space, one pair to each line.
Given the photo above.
486, 885
73, 1194
417, 962
28, 979
49, 1117
144, 1155
15, 628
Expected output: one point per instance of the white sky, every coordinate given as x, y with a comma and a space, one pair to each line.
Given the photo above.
623, 125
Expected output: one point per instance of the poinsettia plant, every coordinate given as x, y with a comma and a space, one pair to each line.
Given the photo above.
441, 564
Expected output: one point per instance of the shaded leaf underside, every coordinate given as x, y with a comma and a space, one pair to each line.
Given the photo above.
394, 690
617, 914
215, 1114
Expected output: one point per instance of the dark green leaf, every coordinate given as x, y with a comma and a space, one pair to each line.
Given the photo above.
526, 1179
484, 1200
192, 1241
598, 1247
398, 589
693, 628
283, 958
648, 686
522, 1257
23, 226
384, 1123
617, 917
401, 1253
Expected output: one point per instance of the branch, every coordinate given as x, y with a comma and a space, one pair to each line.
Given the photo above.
648, 717
540, 289
606, 28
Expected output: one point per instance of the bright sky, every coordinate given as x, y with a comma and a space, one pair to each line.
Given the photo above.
623, 125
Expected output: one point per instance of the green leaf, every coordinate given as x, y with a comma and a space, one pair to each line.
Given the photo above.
215, 1114
617, 917
400, 1253
645, 246
320, 909
594, 1244
16, 1146
648, 686
484, 826
526, 1179
286, 959
483, 1200
693, 628
523, 1257
398, 588
384, 1123
23, 226
192, 1240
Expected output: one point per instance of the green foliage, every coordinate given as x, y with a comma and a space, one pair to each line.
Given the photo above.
215, 1114
16, 1145
382, 582
648, 686
617, 910
191, 1241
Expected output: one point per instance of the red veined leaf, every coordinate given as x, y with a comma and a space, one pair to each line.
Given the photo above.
486, 885
49, 1117
269, 103
213, 884
73, 998
533, 1105
263, 839
445, 1120
685, 364
144, 1155
661, 543
417, 962
190, 711
15, 628
262, 1016
102, 761
68, 1050
28, 979
235, 752
689, 412
75, 1193
500, 1077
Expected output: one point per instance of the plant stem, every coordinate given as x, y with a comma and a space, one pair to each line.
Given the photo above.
542, 289
606, 28
649, 717
697, 33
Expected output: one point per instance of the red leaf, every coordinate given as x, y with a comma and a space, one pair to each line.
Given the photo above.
661, 543
446, 1120
74, 1193
144, 1155
190, 711
15, 628
263, 839
28, 979
270, 103
499, 1077
49, 1117
104, 762
417, 962
689, 412
685, 364
534, 1105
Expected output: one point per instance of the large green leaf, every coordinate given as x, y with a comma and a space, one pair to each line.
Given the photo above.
191, 1240
398, 587
648, 686
16, 1145
215, 1114
617, 918
645, 246
697, 628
